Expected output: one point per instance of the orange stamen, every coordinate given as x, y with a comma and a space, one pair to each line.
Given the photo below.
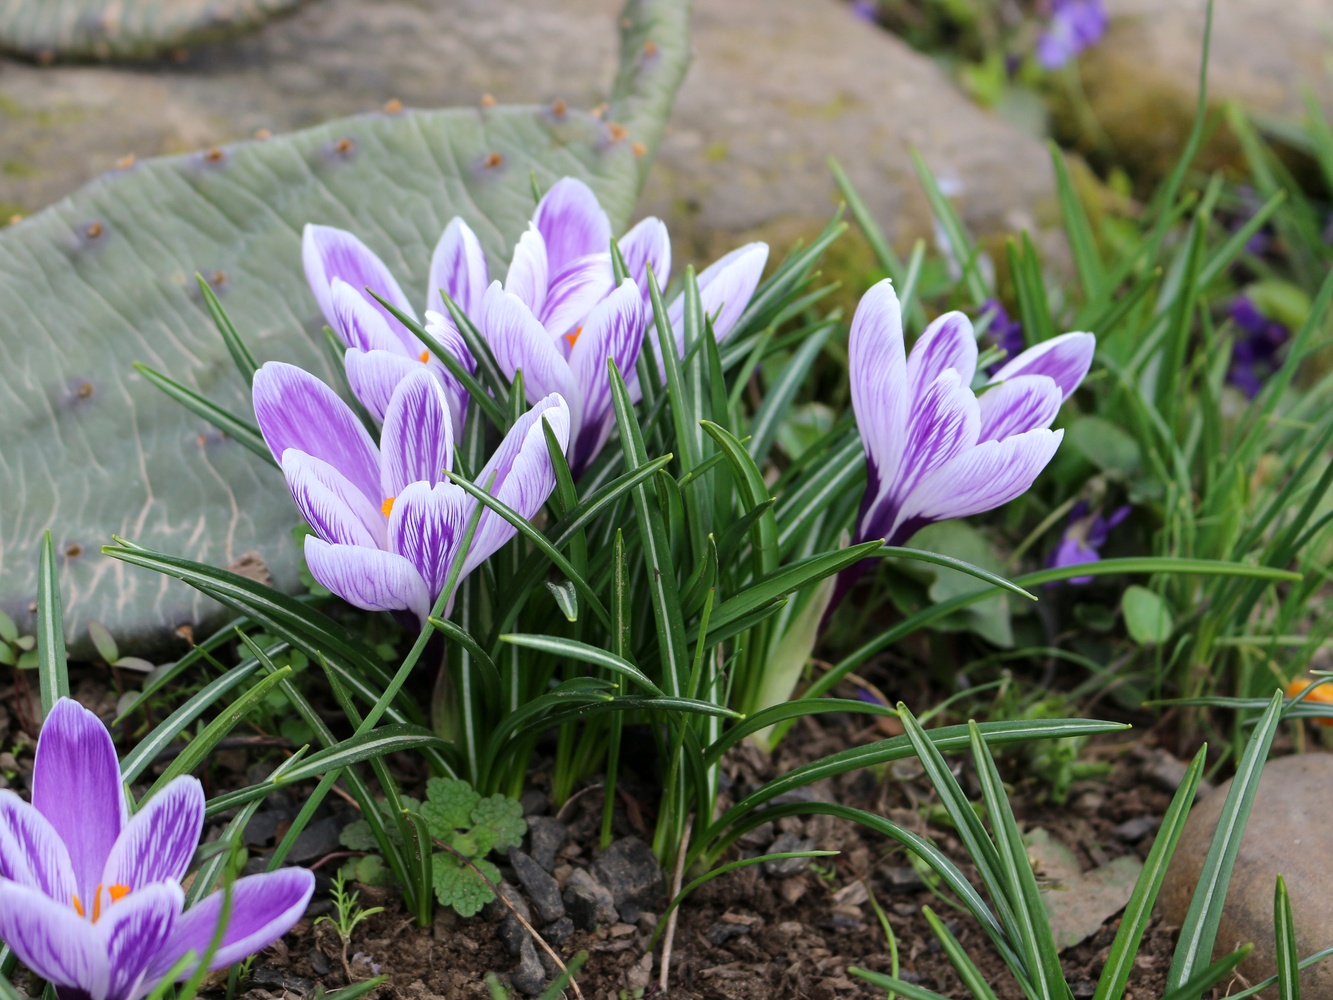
425, 356
118, 892
573, 338
78, 907
386, 508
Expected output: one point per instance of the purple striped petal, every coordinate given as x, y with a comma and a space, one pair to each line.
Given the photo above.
371, 579
1065, 359
647, 244
426, 528
53, 941
725, 289
982, 478
945, 421
442, 329
374, 375
572, 223
614, 330
575, 291
362, 326
31, 852
1017, 405
519, 341
159, 840
417, 443
297, 410
523, 475
878, 370
76, 786
263, 908
337, 510
330, 253
948, 342
458, 266
134, 930
529, 274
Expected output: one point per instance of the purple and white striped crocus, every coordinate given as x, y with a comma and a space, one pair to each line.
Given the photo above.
388, 522
381, 351
934, 449
90, 898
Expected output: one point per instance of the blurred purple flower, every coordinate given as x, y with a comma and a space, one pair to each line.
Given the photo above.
1083, 539
866, 10
1004, 333
1075, 26
1254, 350
90, 897
388, 521
935, 450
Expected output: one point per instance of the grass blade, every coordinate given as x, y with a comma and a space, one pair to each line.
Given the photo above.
53, 670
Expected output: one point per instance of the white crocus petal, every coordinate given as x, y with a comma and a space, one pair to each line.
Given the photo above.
878, 372
417, 443
1018, 404
519, 475
572, 223
426, 528
725, 289
948, 342
529, 274
337, 510
458, 266
330, 253
982, 478
519, 342
52, 940
647, 244
374, 375
370, 579
1064, 359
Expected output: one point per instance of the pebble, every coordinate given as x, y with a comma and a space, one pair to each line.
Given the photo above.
534, 803
530, 976
545, 837
319, 962
1167, 772
629, 869
541, 888
787, 867
558, 931
1131, 831
587, 901
901, 878
722, 932
317, 840
512, 933
1289, 833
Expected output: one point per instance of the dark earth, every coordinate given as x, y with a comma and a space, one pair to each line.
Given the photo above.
787, 929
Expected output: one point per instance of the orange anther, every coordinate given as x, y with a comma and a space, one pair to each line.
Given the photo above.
573, 338
425, 356
386, 508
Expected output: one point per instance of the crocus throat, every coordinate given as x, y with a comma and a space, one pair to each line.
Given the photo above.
573, 338
116, 892
386, 508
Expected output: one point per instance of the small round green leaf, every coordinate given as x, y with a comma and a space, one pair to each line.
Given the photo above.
1147, 616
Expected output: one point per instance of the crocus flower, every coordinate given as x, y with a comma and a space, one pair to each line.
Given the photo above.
388, 522
90, 898
1254, 352
934, 449
1075, 26
1083, 538
380, 349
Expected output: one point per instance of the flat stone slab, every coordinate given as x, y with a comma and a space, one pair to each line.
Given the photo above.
1289, 833
774, 90
1078, 903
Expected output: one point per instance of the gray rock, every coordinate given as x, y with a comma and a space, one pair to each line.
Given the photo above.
545, 837
529, 977
540, 887
534, 802
559, 931
1289, 833
263, 826
588, 902
901, 878
1142, 80
317, 839
745, 155
319, 962
721, 932
512, 933
1131, 831
787, 867
629, 869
